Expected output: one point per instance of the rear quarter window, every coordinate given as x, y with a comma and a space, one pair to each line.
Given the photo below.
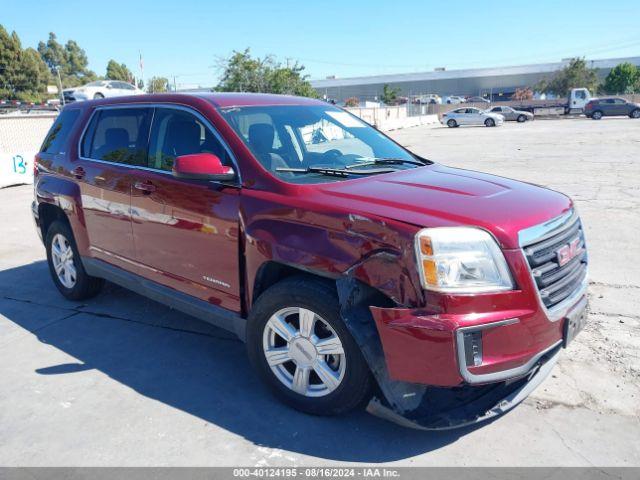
56, 140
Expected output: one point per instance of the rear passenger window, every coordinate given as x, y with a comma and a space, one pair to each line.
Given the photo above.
57, 137
118, 135
175, 133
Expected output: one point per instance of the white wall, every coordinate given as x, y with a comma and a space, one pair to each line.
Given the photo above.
20, 140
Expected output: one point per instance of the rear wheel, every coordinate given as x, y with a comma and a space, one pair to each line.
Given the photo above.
597, 115
489, 122
65, 266
452, 123
98, 96
302, 350
635, 113
521, 118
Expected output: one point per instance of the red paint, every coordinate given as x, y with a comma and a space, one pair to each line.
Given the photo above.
200, 164
179, 232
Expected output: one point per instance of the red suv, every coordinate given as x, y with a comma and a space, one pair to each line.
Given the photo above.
354, 270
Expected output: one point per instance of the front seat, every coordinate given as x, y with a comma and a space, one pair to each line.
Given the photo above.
183, 138
261, 136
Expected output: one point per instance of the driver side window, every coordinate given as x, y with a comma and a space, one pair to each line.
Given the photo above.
175, 133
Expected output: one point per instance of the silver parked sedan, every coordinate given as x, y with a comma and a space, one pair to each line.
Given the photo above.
511, 114
471, 116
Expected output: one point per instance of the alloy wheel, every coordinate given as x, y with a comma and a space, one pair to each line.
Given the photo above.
63, 261
304, 352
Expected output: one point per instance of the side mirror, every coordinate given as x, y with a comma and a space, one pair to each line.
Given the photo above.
202, 166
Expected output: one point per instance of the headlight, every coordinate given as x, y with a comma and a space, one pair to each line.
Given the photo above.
461, 260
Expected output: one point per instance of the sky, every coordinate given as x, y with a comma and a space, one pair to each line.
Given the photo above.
189, 38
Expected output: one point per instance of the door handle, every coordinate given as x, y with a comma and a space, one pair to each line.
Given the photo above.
145, 187
78, 172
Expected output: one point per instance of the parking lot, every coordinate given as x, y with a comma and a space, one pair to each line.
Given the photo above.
122, 380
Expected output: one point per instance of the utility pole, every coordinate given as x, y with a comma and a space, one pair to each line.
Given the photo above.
60, 83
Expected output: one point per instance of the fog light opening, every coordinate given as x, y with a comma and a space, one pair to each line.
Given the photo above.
473, 348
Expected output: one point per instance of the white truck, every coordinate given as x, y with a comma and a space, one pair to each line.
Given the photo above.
578, 99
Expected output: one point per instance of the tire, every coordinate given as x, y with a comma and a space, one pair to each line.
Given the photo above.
489, 122
597, 115
98, 96
521, 119
71, 279
350, 382
452, 123
635, 113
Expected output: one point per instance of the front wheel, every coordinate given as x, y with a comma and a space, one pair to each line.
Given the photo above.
452, 123
65, 266
302, 350
98, 96
635, 113
489, 122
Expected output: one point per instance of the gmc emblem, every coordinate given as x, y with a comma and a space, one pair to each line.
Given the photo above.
568, 252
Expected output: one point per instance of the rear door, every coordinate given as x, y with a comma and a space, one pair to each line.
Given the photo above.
186, 231
114, 142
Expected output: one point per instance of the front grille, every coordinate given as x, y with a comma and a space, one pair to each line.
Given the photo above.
557, 282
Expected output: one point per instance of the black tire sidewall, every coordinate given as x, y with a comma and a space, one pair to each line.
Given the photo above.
98, 96
635, 112
81, 287
452, 123
597, 115
489, 122
315, 296
522, 119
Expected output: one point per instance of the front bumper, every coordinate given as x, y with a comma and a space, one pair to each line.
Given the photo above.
488, 403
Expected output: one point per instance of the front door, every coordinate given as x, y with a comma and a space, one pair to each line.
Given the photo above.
114, 142
186, 231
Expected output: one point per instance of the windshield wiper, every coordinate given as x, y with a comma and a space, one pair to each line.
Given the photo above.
335, 172
385, 161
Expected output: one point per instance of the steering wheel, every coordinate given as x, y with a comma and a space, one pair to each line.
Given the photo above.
332, 154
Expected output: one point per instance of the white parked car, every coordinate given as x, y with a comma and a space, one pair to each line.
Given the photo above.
428, 98
453, 99
471, 116
100, 89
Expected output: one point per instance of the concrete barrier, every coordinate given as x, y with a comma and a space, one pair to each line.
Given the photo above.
392, 118
20, 140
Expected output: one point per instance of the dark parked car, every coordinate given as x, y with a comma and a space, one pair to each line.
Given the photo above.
478, 100
610, 107
351, 267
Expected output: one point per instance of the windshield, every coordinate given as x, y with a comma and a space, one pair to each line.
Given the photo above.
313, 144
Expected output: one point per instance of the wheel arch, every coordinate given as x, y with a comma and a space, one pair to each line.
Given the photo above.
60, 199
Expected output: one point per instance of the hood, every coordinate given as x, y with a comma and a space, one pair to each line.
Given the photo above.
435, 195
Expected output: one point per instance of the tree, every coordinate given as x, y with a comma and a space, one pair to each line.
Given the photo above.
351, 102
389, 95
23, 74
118, 71
522, 94
70, 61
574, 75
157, 85
623, 78
243, 73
